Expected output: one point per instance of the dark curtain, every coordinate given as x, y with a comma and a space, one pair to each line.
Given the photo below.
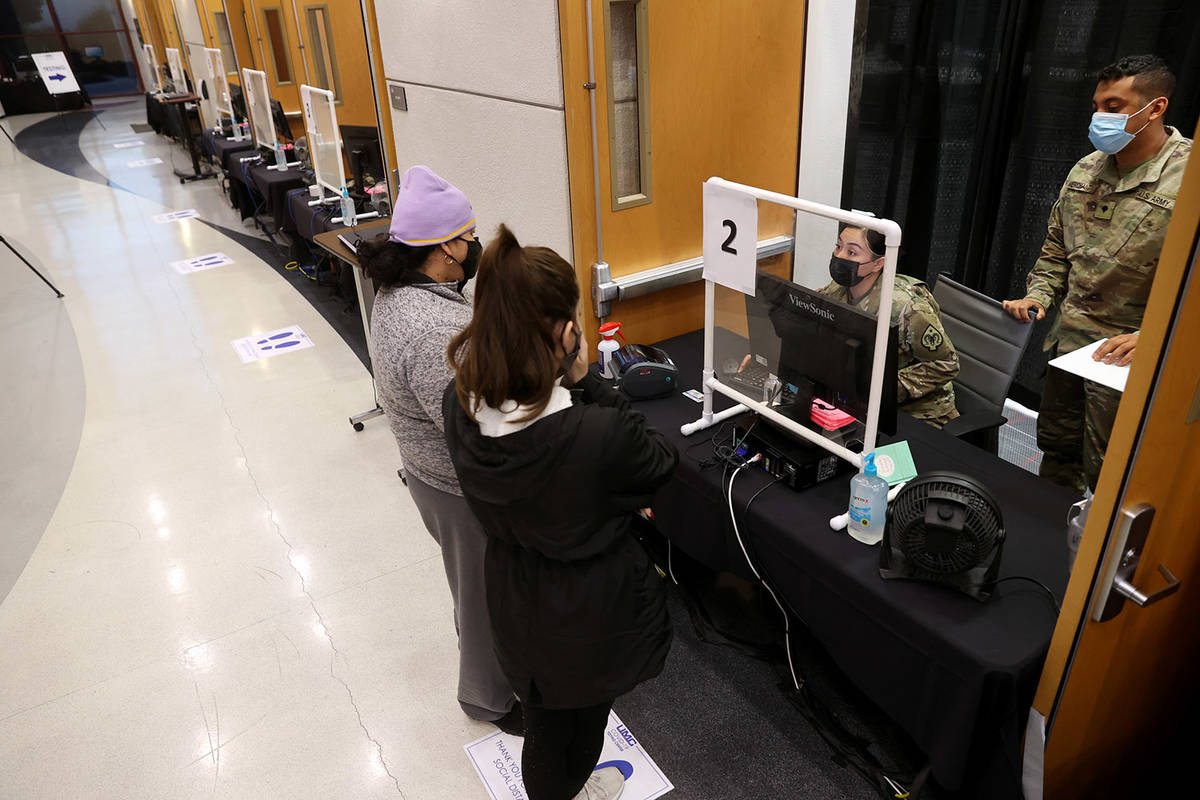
972, 113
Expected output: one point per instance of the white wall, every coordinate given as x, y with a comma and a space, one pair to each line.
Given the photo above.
485, 107
828, 46
189, 21
503, 48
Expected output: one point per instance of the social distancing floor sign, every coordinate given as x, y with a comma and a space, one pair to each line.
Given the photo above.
187, 213
497, 759
199, 263
271, 344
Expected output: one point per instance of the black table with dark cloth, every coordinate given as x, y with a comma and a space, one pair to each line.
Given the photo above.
227, 154
957, 675
29, 96
221, 150
242, 192
156, 113
307, 221
274, 186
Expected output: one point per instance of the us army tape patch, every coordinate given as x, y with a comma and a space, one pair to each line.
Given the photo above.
932, 338
1155, 199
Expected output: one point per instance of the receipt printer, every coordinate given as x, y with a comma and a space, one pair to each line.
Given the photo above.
645, 371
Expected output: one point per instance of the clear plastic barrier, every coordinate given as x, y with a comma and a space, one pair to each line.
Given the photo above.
799, 350
324, 144
814, 360
202, 83
220, 81
258, 104
175, 64
153, 59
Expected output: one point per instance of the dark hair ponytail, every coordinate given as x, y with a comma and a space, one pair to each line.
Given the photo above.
509, 350
392, 263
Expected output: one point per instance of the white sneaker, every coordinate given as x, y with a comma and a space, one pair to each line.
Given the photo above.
604, 784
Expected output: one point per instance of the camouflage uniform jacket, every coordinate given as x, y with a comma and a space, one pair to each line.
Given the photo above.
1102, 244
927, 363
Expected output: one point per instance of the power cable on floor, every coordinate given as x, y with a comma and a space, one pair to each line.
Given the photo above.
848, 748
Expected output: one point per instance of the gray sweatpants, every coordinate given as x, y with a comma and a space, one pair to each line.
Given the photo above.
483, 691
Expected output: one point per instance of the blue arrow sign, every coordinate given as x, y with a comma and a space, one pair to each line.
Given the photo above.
57, 77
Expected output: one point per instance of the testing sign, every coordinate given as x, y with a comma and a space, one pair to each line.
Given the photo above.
55, 72
497, 759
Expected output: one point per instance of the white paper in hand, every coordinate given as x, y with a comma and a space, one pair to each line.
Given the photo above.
730, 238
1079, 362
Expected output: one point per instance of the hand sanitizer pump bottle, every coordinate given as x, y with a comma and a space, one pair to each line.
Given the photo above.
607, 346
348, 214
868, 504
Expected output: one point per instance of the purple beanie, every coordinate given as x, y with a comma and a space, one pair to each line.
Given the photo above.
429, 209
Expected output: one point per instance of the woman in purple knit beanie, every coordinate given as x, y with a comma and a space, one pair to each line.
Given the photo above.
421, 268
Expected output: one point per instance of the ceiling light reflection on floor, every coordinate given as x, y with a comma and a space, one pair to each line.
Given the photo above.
158, 511
175, 579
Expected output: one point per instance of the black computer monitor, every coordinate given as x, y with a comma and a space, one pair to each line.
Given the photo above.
361, 145
283, 129
237, 102
820, 348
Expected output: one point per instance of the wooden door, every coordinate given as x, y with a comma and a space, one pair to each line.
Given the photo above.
279, 47
723, 85
245, 36
152, 30
335, 44
1117, 694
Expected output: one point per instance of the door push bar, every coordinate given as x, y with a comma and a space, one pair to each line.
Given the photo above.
606, 288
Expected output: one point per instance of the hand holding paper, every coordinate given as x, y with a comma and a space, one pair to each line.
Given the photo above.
1118, 350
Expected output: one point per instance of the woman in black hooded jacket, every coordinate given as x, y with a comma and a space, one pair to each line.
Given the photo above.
554, 463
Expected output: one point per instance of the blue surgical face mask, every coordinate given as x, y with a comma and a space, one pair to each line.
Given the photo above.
1107, 132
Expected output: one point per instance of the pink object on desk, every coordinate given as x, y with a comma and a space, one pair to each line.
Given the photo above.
829, 417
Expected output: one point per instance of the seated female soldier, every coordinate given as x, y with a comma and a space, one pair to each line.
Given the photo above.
926, 363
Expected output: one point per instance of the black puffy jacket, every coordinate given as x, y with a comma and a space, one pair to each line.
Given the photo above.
578, 610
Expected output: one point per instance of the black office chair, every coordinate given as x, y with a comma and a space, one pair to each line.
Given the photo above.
989, 344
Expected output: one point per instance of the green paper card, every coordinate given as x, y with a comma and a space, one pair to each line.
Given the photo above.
895, 463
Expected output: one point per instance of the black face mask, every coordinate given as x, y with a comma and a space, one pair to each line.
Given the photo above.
570, 357
844, 271
470, 264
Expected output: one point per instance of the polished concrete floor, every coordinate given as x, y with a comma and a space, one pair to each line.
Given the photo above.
215, 587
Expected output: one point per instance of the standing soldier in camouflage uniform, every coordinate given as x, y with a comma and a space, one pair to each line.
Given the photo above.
926, 363
1101, 250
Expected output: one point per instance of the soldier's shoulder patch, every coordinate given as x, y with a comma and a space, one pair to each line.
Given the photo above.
1155, 199
932, 338
1082, 186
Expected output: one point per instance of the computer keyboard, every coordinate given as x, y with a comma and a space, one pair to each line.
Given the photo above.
750, 379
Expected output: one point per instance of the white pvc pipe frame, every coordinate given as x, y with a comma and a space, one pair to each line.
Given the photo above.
891, 232
175, 67
310, 95
148, 49
222, 103
254, 84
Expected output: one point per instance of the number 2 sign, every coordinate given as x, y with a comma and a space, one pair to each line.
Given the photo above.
730, 238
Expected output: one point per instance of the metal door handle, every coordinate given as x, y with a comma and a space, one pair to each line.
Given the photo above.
1133, 593
1122, 556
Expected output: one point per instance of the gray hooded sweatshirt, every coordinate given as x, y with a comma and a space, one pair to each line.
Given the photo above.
411, 327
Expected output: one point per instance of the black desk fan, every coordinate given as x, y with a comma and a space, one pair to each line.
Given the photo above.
944, 528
